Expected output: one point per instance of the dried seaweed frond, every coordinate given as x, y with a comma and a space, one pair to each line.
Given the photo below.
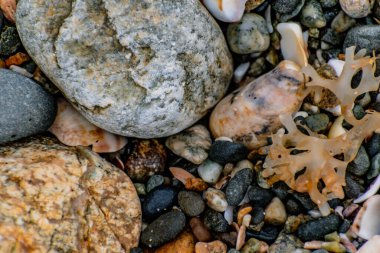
310, 163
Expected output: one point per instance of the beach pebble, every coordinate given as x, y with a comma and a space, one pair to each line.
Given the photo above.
357, 8
26, 108
9, 41
199, 230
342, 22
154, 181
259, 196
147, 157
249, 35
184, 243
366, 36
211, 247
317, 229
293, 207
215, 199
238, 186
360, 165
267, 234
158, 201
374, 170
329, 3
191, 203
373, 146
317, 122
227, 152
312, 14
353, 189
287, 244
210, 171
226, 10
275, 213
144, 69
254, 246
287, 9
215, 221
192, 144
163, 229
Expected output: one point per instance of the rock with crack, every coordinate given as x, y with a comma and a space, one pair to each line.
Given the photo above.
135, 68
56, 198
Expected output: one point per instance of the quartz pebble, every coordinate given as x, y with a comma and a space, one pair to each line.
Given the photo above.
250, 35
192, 144
210, 171
215, 199
275, 213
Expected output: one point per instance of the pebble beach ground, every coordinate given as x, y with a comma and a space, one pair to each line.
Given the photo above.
279, 165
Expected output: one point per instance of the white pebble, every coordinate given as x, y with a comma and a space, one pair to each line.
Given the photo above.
210, 171
226, 10
240, 72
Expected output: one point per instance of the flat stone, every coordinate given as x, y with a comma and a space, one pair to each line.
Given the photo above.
136, 68
26, 108
58, 198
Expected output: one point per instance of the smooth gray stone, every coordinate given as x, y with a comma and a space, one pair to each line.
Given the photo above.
25, 107
136, 68
367, 36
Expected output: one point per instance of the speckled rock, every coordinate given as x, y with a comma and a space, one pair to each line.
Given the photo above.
146, 158
9, 41
357, 8
287, 9
317, 229
342, 22
158, 201
129, 74
238, 186
328, 3
163, 229
259, 196
61, 199
191, 203
250, 35
367, 36
312, 14
215, 221
286, 244
254, 246
360, 165
227, 152
192, 144
374, 171
26, 109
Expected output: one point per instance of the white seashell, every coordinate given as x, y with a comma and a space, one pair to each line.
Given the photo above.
337, 128
293, 46
373, 188
300, 113
72, 129
336, 111
229, 214
226, 10
371, 246
367, 221
240, 72
337, 65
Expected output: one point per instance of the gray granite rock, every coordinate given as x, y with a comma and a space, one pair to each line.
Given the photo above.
136, 68
26, 108
367, 36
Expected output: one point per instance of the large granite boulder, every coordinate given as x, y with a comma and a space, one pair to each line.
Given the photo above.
137, 68
56, 198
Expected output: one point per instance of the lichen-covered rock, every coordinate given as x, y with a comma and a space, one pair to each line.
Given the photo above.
136, 68
64, 199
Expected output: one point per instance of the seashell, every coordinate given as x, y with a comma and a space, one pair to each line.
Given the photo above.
373, 188
240, 72
337, 65
293, 46
72, 129
226, 10
250, 114
367, 221
337, 128
229, 214
371, 246
357, 8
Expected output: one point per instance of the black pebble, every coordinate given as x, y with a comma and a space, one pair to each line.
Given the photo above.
352, 190
373, 146
258, 215
215, 221
238, 185
293, 207
158, 201
227, 152
346, 224
259, 196
280, 189
360, 165
305, 200
163, 229
268, 234
317, 229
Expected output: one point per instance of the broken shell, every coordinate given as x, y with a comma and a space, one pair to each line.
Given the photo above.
371, 246
367, 221
293, 46
72, 129
240, 72
337, 128
226, 10
250, 114
337, 65
373, 188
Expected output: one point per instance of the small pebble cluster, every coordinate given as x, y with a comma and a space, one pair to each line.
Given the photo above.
201, 194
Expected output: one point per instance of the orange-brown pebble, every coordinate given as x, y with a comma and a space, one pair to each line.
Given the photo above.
199, 230
211, 247
242, 212
184, 243
17, 59
196, 184
2, 64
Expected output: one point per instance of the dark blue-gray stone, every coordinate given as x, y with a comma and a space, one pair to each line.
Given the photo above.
227, 152
238, 186
26, 108
367, 36
158, 201
360, 165
215, 221
317, 229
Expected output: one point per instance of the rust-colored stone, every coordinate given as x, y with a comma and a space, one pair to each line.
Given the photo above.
184, 243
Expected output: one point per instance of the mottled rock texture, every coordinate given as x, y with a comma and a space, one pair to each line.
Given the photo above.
56, 198
136, 68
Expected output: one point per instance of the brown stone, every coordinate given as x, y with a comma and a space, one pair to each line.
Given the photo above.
184, 243
200, 231
211, 247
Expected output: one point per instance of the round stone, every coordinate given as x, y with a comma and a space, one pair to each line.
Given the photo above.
144, 69
312, 14
210, 171
250, 35
26, 108
366, 36
191, 203
58, 198
238, 186
158, 201
215, 221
